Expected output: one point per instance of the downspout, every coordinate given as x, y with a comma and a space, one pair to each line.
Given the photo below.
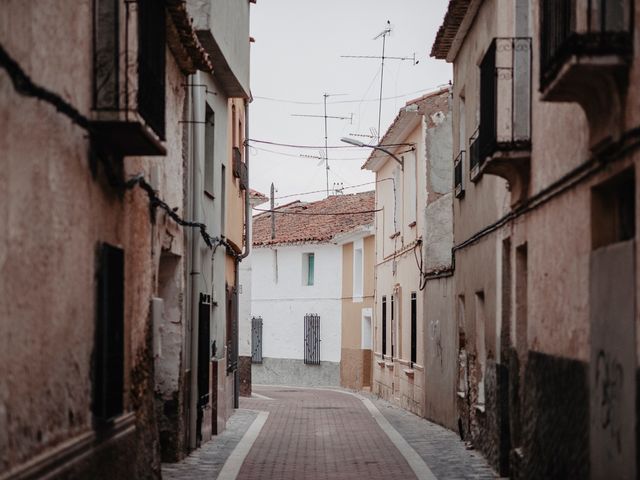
194, 264
247, 205
243, 255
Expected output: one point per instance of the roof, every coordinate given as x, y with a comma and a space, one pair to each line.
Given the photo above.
183, 41
304, 223
406, 121
451, 25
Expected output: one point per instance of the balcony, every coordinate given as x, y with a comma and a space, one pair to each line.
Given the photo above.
504, 134
458, 169
585, 51
239, 169
128, 77
474, 157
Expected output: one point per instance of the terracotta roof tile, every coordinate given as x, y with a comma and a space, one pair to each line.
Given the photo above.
449, 29
307, 227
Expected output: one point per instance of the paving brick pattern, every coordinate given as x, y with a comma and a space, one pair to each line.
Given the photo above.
321, 434
441, 449
206, 462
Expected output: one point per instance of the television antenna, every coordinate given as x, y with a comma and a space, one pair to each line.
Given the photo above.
383, 34
326, 118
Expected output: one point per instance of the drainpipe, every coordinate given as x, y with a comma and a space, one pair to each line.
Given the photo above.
194, 263
247, 205
243, 255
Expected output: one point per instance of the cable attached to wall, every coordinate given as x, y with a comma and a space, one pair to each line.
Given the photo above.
23, 85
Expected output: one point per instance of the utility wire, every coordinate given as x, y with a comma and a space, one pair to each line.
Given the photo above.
310, 214
395, 97
26, 87
318, 147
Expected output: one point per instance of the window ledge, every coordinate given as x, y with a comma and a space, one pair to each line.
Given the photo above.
381, 363
409, 372
461, 394
209, 195
395, 235
412, 224
389, 365
479, 407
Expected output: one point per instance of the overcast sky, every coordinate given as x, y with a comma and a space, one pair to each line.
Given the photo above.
296, 58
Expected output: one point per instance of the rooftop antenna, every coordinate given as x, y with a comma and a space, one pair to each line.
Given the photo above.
327, 117
383, 34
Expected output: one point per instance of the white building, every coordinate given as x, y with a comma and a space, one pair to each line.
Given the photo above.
297, 287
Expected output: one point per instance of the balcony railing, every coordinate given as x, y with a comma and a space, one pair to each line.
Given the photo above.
474, 156
505, 97
582, 27
240, 169
129, 77
458, 166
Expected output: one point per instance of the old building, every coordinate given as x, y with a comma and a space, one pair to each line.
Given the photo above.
545, 115
297, 288
413, 254
93, 198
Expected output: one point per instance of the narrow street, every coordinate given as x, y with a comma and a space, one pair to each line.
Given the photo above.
309, 433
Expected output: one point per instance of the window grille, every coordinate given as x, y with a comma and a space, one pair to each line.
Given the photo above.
384, 325
256, 339
312, 339
414, 328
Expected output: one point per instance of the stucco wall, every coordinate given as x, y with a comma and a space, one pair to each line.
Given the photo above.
356, 360
56, 214
283, 304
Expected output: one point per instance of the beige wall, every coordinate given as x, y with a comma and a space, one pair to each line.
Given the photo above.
356, 361
56, 214
235, 196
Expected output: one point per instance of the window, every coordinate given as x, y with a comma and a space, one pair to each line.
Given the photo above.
384, 325
613, 212
481, 351
357, 271
223, 201
108, 377
414, 328
397, 197
312, 339
256, 339
365, 340
308, 267
393, 326
209, 144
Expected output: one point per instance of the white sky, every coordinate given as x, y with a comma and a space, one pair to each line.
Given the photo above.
296, 57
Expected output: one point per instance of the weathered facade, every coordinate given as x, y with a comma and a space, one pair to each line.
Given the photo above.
412, 244
545, 116
124, 162
104, 145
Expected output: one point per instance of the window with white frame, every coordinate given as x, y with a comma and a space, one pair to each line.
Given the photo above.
308, 269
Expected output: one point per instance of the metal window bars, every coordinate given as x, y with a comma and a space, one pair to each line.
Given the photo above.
256, 339
312, 339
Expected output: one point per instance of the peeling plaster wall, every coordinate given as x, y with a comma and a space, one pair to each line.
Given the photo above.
47, 188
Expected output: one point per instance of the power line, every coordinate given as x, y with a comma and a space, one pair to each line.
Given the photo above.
293, 155
317, 147
348, 187
314, 214
300, 102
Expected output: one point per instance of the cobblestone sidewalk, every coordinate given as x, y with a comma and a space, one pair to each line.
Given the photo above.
320, 434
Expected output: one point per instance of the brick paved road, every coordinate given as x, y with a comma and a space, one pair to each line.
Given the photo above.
323, 434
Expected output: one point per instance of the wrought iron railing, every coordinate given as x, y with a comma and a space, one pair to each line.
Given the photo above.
582, 27
505, 97
256, 339
240, 169
458, 168
312, 339
474, 155
151, 64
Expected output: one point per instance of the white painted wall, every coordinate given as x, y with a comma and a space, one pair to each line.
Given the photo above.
244, 308
283, 304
